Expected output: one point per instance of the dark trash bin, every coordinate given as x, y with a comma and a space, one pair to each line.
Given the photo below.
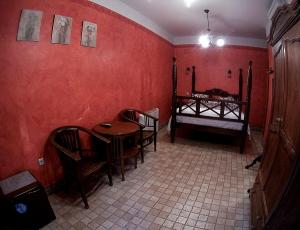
24, 203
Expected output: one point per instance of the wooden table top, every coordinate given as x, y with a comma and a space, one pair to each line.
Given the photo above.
118, 128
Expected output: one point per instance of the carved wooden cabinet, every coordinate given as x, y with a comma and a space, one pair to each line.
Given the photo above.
275, 196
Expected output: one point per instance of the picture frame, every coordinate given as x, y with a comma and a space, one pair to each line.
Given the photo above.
61, 31
89, 34
29, 25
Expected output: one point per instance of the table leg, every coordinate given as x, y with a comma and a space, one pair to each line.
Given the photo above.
121, 158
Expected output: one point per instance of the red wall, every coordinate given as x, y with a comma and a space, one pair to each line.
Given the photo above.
44, 85
211, 72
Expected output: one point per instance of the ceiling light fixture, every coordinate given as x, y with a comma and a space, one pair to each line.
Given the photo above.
207, 40
188, 3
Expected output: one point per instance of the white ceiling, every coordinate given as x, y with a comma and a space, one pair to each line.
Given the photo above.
241, 18
238, 20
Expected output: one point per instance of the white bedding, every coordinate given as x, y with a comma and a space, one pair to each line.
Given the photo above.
208, 122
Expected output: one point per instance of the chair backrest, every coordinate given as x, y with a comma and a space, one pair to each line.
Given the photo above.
145, 119
68, 137
148, 122
130, 114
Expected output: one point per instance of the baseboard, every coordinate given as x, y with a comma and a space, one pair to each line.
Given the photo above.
54, 187
163, 125
256, 128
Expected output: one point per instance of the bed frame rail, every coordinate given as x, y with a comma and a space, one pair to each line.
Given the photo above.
221, 109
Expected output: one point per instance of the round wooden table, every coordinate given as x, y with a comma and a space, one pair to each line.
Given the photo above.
118, 132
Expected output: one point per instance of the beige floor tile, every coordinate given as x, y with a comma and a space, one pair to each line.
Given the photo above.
189, 184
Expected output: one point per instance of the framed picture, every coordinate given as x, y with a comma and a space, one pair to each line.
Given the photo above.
29, 25
89, 34
61, 32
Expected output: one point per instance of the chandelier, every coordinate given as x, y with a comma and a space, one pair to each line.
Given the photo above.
207, 40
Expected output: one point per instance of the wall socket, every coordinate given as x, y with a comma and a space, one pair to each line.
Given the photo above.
41, 161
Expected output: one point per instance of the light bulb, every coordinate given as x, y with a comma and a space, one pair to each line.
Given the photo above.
188, 3
204, 41
220, 42
205, 45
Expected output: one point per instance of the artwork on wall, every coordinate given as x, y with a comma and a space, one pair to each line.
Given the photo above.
29, 26
61, 32
89, 34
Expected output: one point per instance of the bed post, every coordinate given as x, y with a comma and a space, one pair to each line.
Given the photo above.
247, 111
174, 100
193, 80
241, 85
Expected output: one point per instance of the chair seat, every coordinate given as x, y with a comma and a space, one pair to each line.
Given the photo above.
90, 166
147, 134
130, 152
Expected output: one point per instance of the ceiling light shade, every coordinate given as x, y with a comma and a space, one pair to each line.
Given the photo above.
188, 3
220, 42
208, 40
204, 41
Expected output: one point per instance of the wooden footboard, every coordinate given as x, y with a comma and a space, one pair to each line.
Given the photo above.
218, 109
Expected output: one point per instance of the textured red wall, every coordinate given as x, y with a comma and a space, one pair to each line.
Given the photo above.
44, 85
211, 72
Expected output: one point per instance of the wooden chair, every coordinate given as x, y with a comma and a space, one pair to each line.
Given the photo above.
82, 153
147, 128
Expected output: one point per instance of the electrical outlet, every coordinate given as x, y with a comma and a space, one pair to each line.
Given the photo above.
41, 161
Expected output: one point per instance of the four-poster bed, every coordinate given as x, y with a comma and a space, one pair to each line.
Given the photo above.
213, 110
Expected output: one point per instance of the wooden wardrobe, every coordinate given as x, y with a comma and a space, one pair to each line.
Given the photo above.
275, 196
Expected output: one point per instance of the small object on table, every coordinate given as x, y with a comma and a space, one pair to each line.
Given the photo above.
25, 203
106, 124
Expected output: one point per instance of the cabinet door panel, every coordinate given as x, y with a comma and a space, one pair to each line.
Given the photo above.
290, 128
275, 184
279, 93
279, 172
278, 103
283, 143
269, 156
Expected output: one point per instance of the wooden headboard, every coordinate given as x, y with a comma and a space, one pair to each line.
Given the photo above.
217, 91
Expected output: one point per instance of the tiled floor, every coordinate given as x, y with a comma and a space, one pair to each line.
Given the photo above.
187, 185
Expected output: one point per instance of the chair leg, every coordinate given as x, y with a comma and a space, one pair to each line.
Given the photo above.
82, 193
141, 141
109, 174
142, 152
135, 164
122, 168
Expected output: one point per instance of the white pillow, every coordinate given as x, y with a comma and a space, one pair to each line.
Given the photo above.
155, 113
